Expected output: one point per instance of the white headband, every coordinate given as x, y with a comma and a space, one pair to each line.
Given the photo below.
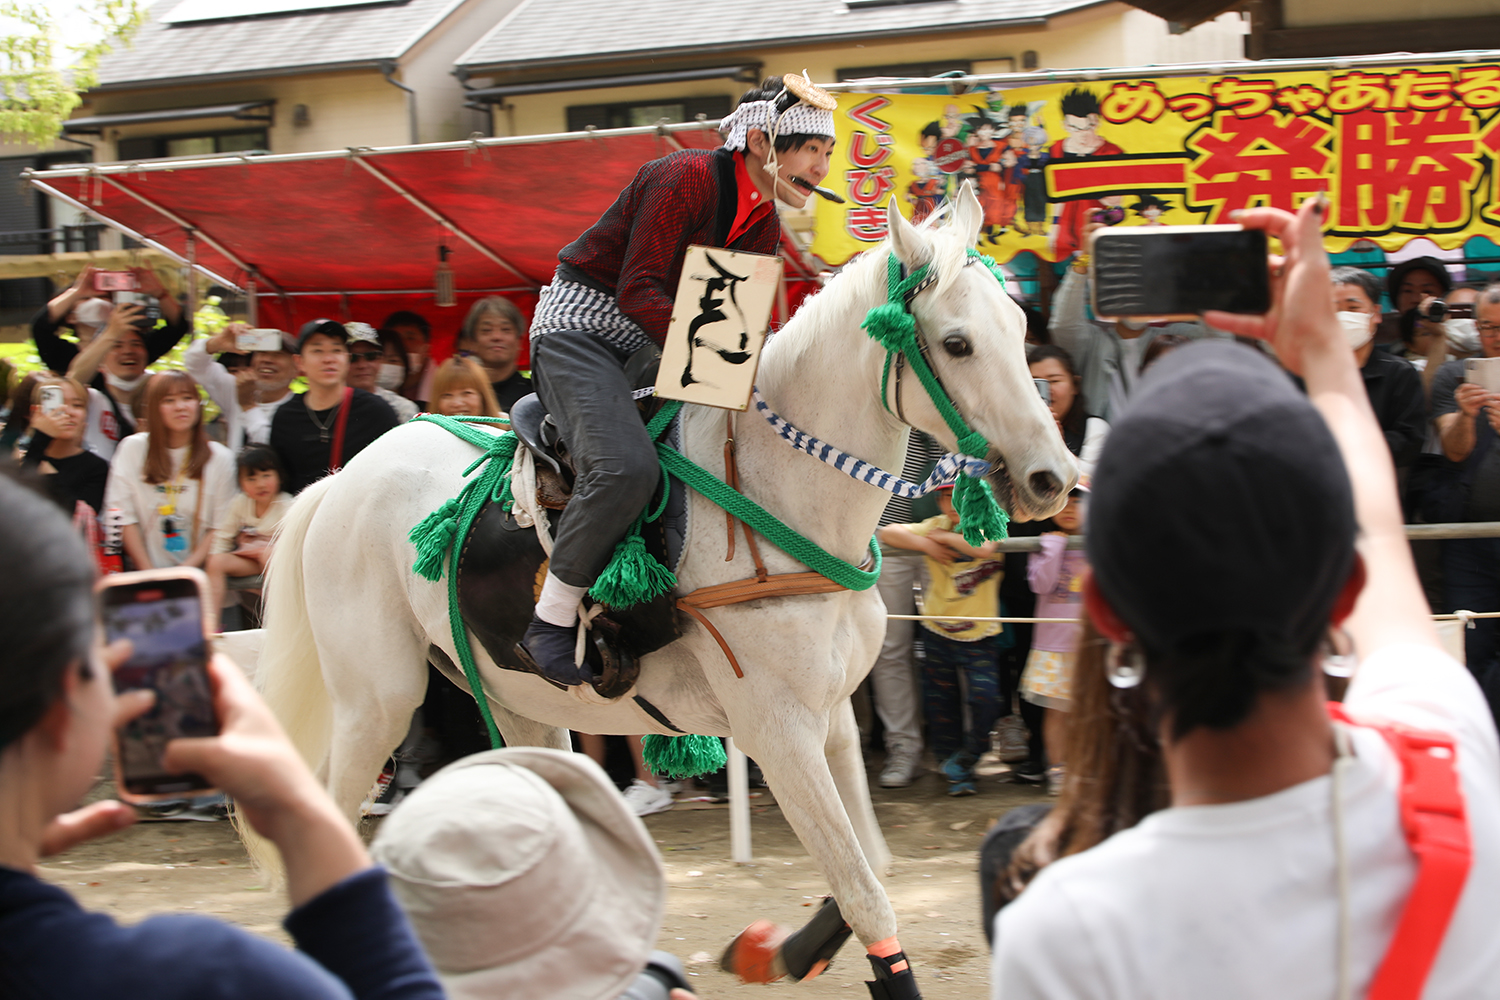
799, 119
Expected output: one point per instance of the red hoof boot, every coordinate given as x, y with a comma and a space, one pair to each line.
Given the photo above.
755, 954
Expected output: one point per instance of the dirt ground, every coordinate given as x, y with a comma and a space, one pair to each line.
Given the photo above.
199, 867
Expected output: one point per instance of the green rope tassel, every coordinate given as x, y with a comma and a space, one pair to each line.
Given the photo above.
891, 326
980, 517
633, 574
683, 756
433, 537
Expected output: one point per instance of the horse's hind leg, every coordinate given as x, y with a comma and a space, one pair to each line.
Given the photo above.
376, 672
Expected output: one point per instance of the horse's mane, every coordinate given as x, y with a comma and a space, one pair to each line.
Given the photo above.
861, 285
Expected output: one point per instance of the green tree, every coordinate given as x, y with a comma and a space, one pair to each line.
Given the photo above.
40, 76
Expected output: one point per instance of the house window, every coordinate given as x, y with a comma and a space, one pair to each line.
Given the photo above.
156, 146
580, 116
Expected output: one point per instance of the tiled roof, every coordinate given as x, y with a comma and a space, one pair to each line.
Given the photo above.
559, 32
206, 50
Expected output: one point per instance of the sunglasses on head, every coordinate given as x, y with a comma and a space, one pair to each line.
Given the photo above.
366, 355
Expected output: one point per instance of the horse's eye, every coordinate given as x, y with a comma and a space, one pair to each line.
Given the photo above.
957, 345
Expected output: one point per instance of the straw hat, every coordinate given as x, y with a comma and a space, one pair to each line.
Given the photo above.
526, 876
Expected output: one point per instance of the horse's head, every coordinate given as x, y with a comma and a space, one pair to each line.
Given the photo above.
973, 335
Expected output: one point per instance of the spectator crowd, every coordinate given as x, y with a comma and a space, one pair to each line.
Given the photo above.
146, 480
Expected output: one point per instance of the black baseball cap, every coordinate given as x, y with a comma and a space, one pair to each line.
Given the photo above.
326, 327
1400, 271
1220, 503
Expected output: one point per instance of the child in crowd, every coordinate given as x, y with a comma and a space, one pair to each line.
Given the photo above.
460, 388
1056, 577
962, 583
242, 538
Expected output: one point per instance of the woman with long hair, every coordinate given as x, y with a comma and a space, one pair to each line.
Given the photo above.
170, 483
1083, 433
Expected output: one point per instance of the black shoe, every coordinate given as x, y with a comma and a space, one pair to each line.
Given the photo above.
547, 650
1031, 772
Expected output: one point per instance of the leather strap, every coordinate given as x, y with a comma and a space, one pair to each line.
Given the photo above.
336, 452
1435, 821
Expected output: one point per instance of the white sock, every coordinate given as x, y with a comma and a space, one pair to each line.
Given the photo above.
558, 603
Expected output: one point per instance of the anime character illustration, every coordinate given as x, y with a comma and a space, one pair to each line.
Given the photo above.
928, 191
1080, 112
986, 155
1150, 208
1029, 144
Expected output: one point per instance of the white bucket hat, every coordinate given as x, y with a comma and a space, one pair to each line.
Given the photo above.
526, 876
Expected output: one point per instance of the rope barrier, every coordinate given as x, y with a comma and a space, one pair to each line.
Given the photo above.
1455, 617
1414, 532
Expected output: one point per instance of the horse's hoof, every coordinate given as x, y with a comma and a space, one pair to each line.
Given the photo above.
755, 954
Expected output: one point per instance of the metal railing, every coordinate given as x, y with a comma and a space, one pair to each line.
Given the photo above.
1414, 532
64, 239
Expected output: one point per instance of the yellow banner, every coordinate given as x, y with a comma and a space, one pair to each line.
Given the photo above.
1402, 152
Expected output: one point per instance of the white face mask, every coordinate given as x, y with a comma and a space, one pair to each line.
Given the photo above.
390, 377
93, 312
1359, 328
125, 384
1134, 324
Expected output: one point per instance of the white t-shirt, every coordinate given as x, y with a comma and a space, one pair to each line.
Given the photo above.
239, 515
103, 431
169, 540
1240, 901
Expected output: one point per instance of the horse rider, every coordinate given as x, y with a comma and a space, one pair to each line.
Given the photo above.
613, 294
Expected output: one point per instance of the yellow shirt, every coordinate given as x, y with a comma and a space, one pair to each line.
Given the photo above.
968, 588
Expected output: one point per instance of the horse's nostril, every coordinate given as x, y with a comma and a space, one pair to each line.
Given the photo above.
1044, 485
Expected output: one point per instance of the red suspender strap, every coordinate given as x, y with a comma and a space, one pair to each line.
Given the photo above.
1436, 825
336, 453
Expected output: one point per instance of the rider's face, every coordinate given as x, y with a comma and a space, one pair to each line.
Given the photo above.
810, 162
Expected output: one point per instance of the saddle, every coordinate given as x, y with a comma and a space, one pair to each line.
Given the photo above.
501, 565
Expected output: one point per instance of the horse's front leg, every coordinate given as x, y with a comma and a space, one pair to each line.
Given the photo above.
792, 757
846, 762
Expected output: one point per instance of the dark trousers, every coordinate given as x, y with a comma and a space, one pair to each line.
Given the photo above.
979, 663
582, 380
1471, 575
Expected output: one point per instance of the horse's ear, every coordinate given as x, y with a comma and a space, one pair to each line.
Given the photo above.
905, 243
968, 215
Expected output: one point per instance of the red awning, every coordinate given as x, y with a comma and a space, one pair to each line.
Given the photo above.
354, 235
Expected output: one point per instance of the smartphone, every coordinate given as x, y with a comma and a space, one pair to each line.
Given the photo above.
115, 281
260, 339
151, 307
1178, 272
161, 612
51, 399
1483, 372
1043, 389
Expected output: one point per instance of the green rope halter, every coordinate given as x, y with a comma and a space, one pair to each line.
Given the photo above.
892, 326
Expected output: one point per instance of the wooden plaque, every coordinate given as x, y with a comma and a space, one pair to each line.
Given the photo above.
719, 324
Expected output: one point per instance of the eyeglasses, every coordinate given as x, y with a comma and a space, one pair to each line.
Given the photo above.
1487, 328
366, 355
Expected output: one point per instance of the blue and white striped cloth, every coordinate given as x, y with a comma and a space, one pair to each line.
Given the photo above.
568, 305
948, 467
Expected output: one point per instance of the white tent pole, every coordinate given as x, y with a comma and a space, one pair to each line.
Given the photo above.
167, 213
94, 213
739, 805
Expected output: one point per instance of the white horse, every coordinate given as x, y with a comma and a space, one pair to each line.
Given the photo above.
349, 624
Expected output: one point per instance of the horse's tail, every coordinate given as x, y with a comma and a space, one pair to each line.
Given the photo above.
289, 676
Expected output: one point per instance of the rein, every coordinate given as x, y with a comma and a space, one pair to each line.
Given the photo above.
893, 326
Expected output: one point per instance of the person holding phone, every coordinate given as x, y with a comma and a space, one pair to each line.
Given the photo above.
1466, 413
1244, 539
170, 484
249, 395
85, 309
59, 415
57, 708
